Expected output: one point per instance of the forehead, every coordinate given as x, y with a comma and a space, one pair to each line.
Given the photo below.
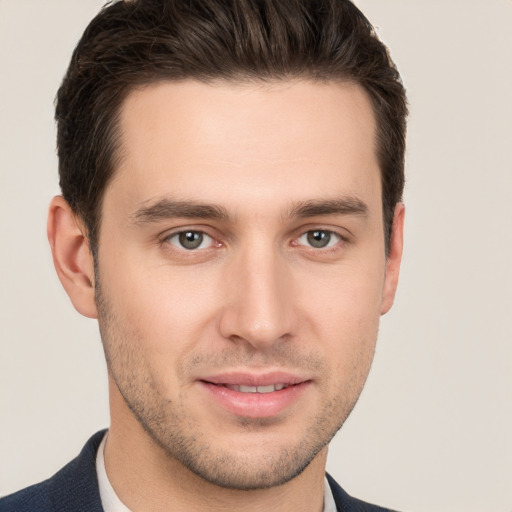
221, 141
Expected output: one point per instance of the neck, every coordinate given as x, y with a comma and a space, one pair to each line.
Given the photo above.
145, 477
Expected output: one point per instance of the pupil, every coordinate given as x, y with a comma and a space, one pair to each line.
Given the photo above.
319, 239
191, 239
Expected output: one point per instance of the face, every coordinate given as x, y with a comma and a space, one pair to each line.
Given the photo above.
241, 272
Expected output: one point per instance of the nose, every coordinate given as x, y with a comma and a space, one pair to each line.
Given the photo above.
258, 305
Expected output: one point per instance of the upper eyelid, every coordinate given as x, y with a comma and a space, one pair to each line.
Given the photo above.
343, 233
183, 229
187, 230
331, 231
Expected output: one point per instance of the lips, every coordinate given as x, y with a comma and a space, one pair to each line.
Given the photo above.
255, 396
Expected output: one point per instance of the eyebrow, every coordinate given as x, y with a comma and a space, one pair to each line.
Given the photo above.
168, 209
340, 206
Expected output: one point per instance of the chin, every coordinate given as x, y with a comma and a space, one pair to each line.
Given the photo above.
258, 458
261, 471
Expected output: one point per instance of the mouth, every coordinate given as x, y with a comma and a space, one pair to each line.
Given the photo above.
255, 396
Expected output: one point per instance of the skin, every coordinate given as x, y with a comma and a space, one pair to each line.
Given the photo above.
255, 297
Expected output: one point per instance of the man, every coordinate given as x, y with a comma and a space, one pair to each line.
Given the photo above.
231, 173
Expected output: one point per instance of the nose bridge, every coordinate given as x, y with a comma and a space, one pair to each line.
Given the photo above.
259, 305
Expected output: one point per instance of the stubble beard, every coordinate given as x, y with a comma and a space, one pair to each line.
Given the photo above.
170, 426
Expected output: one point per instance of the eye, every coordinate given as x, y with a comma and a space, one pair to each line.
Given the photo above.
319, 239
190, 240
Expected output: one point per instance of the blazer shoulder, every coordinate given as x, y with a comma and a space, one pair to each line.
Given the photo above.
32, 498
74, 488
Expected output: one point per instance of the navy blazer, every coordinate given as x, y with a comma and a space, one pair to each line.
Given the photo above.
75, 489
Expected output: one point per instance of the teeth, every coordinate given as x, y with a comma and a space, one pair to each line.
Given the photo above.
248, 389
266, 389
257, 389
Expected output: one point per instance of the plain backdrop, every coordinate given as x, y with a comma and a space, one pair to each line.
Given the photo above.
433, 428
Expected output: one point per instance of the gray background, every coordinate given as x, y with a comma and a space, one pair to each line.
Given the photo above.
433, 429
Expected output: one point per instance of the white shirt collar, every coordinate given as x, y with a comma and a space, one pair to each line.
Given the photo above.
109, 498
111, 502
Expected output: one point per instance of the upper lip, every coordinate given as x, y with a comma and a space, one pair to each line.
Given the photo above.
241, 378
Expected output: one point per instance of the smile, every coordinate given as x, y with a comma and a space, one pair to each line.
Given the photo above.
255, 396
256, 389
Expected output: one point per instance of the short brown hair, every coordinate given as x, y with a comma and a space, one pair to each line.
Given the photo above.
135, 42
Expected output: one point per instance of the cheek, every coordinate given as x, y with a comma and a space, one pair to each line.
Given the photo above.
342, 298
167, 307
343, 311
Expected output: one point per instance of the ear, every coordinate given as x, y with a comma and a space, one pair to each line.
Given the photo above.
394, 259
71, 256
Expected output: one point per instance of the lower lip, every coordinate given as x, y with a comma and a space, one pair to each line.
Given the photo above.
255, 405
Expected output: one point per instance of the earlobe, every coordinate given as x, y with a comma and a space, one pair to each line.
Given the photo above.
71, 256
394, 259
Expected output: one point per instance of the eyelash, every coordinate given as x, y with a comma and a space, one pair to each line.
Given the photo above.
333, 235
